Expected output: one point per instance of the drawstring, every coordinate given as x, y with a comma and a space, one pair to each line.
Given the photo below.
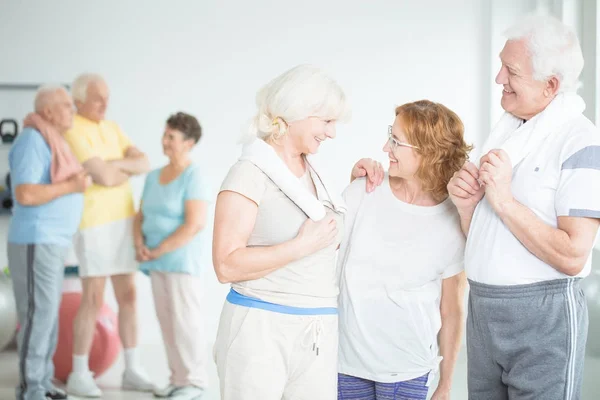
314, 329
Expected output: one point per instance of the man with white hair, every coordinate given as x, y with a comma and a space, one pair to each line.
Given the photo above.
47, 182
104, 244
531, 214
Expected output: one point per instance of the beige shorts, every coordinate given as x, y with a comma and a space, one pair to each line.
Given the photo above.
105, 250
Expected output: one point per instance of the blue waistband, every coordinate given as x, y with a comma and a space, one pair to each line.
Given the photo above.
239, 299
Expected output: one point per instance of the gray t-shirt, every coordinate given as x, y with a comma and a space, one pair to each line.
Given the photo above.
308, 282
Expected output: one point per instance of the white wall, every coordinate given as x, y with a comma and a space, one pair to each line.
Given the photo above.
210, 57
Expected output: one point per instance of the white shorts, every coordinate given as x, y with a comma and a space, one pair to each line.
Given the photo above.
105, 250
272, 356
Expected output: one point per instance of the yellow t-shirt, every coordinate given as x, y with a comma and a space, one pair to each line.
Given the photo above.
104, 139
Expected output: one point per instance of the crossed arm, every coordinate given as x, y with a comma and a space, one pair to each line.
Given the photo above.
116, 172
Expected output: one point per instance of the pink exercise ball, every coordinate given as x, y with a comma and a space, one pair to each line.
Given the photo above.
105, 347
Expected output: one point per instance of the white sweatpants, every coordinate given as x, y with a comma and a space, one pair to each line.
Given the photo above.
178, 308
272, 356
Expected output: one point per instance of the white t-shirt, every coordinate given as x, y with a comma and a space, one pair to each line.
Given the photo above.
307, 282
392, 261
561, 178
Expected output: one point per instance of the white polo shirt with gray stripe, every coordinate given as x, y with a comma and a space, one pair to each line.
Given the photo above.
560, 178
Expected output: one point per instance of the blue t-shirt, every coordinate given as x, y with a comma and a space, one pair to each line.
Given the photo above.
163, 208
55, 222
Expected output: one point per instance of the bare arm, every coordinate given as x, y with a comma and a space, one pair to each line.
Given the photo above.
38, 194
451, 309
133, 163
195, 221
104, 173
565, 248
138, 236
466, 216
466, 192
234, 261
141, 251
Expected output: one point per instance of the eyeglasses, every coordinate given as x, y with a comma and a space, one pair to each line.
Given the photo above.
394, 143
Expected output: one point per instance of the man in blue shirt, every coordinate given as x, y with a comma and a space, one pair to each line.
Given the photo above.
45, 217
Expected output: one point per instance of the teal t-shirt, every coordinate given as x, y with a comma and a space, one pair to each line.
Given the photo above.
163, 208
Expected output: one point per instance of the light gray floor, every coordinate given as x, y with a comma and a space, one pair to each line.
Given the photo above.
154, 359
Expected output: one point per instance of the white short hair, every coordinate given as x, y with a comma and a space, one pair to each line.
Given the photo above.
45, 95
301, 92
554, 49
81, 83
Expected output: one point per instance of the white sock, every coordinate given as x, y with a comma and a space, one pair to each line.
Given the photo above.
80, 363
131, 359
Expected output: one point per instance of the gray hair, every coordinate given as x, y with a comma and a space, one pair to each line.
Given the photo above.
45, 95
554, 49
81, 83
301, 92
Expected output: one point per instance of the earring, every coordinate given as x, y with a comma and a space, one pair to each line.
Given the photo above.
280, 128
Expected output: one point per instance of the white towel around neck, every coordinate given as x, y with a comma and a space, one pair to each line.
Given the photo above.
518, 139
261, 154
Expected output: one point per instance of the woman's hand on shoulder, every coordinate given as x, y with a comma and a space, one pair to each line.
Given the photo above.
371, 169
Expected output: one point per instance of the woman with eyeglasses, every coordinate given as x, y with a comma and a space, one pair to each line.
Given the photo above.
401, 263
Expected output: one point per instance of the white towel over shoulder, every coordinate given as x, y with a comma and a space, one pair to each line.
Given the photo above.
261, 154
518, 139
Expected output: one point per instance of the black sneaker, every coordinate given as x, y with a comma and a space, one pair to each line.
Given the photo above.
56, 394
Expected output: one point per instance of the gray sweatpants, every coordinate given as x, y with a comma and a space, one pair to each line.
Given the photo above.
526, 341
37, 272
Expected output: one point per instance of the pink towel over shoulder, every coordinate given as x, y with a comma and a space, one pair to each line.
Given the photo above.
64, 164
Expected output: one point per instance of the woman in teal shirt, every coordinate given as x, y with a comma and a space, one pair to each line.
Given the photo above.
169, 237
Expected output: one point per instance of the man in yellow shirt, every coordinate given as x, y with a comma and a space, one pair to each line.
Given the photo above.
104, 243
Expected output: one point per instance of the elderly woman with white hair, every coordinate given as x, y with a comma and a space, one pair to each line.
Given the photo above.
529, 239
277, 226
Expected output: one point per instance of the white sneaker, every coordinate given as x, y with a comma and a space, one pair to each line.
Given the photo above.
136, 381
82, 384
187, 393
165, 392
